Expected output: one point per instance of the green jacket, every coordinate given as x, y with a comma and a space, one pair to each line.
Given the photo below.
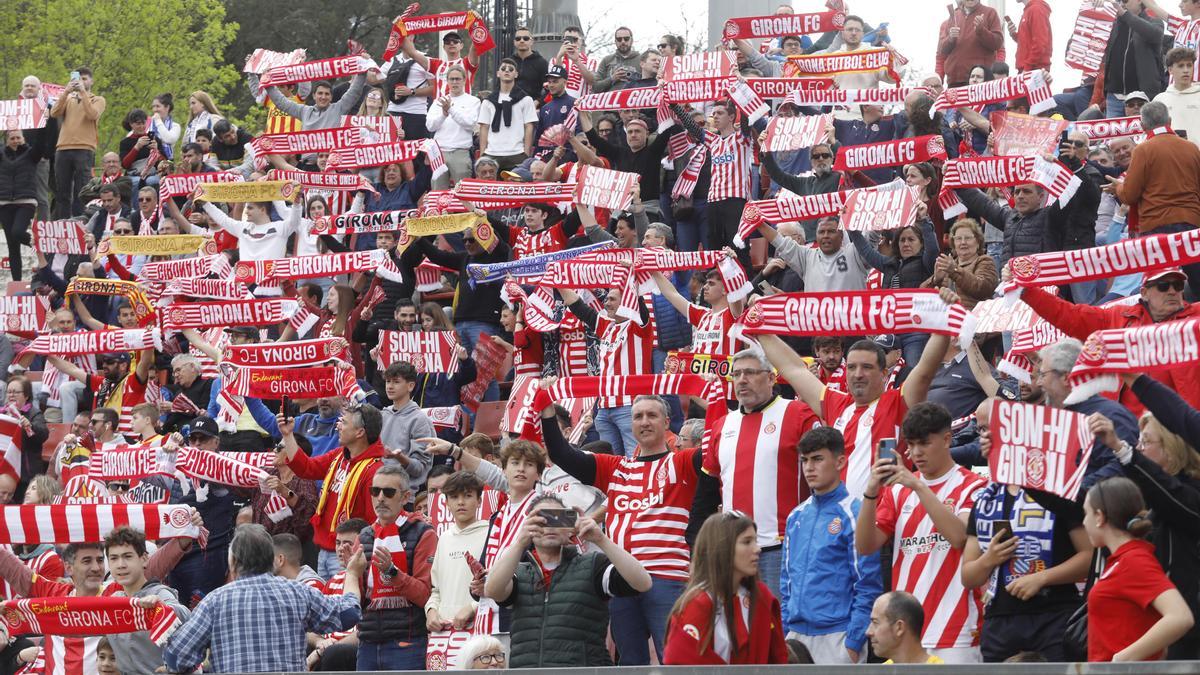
565, 627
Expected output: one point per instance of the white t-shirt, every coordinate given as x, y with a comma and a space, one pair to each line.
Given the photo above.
509, 140
455, 131
417, 76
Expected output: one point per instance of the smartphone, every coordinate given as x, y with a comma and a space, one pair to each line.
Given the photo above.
285, 408
559, 519
1182, 133
473, 564
74, 75
1002, 530
887, 449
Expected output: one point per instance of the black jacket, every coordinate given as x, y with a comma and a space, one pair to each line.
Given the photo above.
481, 303
18, 168
531, 73
803, 186
1133, 59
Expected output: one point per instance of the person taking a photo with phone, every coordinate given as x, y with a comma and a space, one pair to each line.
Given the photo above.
1029, 558
558, 595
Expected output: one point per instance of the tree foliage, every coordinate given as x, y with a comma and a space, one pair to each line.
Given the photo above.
136, 48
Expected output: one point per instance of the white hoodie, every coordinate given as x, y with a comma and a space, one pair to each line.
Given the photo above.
1184, 107
451, 577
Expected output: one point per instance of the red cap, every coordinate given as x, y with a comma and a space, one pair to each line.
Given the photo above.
1163, 273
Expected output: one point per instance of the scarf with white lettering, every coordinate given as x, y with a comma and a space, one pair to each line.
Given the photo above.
1141, 349
638, 98
258, 312
857, 313
733, 277
184, 184
62, 524
490, 195
1089, 36
890, 153
261, 60
357, 223
163, 293
810, 96
86, 342
129, 462
315, 180
280, 356
604, 188
195, 466
797, 208
468, 21
130, 290
775, 25
425, 226
1031, 85
59, 236
748, 102
1127, 256
265, 382
86, 616
1107, 129
1057, 180
1025, 341
169, 270
310, 266
842, 63
310, 71
354, 157
530, 266
784, 134
313, 140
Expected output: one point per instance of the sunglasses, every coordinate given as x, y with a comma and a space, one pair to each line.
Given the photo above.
145, 199
523, 38
822, 155
387, 492
624, 39
122, 233
118, 487
663, 45
1168, 285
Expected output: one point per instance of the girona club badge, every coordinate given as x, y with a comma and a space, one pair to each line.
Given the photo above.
443, 647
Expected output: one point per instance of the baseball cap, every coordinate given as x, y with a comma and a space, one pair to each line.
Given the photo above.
887, 341
205, 426
248, 331
1134, 95
113, 356
451, 35
1164, 273
556, 71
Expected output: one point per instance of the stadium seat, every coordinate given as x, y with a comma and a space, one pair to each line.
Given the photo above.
57, 432
15, 287
758, 253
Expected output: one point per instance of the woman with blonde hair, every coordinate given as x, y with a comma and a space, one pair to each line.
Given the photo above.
373, 103
203, 115
970, 271
701, 629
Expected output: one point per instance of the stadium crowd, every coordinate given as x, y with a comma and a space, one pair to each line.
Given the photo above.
774, 353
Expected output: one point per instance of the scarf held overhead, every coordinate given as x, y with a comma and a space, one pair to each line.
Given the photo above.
309, 71
315, 180
1127, 256
808, 207
130, 290
80, 523
1057, 180
86, 342
843, 63
776, 25
262, 312
375, 154
1030, 85
59, 236
890, 153
1143, 349
434, 352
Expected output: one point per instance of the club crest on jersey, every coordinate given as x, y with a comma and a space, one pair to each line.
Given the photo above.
692, 631
770, 428
662, 475
835, 525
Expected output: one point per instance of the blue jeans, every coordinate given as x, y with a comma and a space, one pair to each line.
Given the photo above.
642, 616
615, 425
911, 347
328, 564
1113, 106
692, 232
197, 575
770, 564
392, 655
469, 333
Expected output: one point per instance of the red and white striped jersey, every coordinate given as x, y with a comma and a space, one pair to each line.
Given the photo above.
334, 586
926, 565
835, 380
756, 458
439, 66
53, 378
863, 426
576, 85
548, 240
46, 564
1187, 34
572, 352
67, 655
625, 349
649, 502
710, 334
730, 157
219, 339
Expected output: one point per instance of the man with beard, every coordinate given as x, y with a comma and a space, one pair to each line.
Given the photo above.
619, 67
320, 427
115, 386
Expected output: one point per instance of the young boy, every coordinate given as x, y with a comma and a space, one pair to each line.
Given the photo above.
450, 605
1182, 98
820, 567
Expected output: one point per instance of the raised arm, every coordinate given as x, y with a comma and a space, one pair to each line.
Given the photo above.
85, 315
792, 368
413, 53
916, 386
67, 368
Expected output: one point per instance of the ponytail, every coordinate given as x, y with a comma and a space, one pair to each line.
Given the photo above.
1140, 525
1123, 506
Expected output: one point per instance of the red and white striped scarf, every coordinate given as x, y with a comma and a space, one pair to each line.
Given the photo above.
1127, 256
314, 180
890, 153
857, 313
267, 382
503, 533
11, 438
1031, 85
733, 277
1141, 349
24, 315
324, 69
96, 342
162, 293
374, 154
80, 523
184, 184
429, 276
128, 462
356, 223
313, 266
775, 25
1025, 341
260, 312
187, 268
80, 616
491, 195
433, 152
797, 208
814, 96
1107, 129
748, 102
1057, 180
638, 98
313, 140
784, 134
685, 184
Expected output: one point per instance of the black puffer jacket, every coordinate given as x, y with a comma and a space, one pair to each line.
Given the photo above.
900, 272
1050, 228
18, 168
